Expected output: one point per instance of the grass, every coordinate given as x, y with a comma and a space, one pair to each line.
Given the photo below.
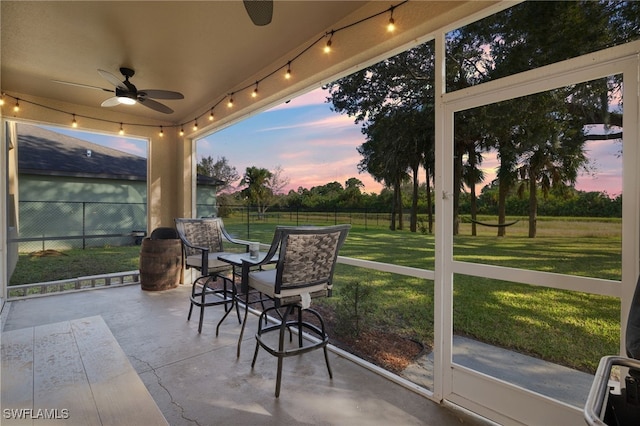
569, 328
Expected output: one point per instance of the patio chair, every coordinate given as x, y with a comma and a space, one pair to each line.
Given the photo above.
304, 271
202, 243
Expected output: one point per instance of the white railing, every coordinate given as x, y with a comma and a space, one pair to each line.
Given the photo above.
117, 279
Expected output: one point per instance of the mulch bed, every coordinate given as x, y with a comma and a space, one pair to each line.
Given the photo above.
387, 350
384, 349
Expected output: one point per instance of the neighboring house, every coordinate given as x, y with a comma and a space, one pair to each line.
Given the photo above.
73, 187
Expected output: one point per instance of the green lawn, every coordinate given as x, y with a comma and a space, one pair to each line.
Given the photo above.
569, 328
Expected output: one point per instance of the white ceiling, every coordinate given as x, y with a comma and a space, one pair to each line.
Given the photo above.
204, 49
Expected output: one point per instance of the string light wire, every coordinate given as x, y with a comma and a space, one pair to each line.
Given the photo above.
286, 67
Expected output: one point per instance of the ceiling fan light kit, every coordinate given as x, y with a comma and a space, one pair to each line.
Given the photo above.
126, 93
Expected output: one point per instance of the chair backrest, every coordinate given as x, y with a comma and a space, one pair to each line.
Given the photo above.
307, 256
206, 233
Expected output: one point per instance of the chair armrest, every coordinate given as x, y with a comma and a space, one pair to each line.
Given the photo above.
204, 263
247, 265
237, 241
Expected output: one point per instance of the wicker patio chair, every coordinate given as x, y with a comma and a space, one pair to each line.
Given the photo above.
304, 270
202, 243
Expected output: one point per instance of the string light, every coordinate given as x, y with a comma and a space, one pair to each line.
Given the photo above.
327, 48
391, 27
74, 123
195, 124
161, 134
288, 73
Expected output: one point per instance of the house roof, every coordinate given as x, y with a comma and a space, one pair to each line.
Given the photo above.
45, 152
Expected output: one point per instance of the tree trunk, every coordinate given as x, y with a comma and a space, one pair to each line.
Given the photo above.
533, 207
457, 179
474, 209
399, 204
394, 208
413, 223
502, 197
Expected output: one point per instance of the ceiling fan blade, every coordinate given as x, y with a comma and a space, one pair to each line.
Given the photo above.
112, 79
86, 86
111, 102
160, 94
260, 11
156, 106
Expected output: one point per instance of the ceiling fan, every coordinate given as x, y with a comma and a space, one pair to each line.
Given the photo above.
260, 11
127, 94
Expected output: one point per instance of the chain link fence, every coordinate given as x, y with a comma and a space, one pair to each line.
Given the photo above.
246, 221
61, 225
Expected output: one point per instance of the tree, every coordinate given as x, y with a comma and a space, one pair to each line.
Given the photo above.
278, 181
352, 195
257, 191
220, 169
394, 101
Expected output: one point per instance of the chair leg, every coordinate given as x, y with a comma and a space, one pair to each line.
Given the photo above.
280, 354
244, 322
190, 310
255, 353
201, 319
326, 358
299, 326
279, 377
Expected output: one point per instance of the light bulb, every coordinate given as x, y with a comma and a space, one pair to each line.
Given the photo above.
392, 25
74, 123
181, 131
126, 101
161, 134
16, 107
2, 99
121, 132
327, 48
230, 103
287, 75
211, 116
195, 125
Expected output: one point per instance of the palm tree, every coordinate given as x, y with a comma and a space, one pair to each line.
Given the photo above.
257, 191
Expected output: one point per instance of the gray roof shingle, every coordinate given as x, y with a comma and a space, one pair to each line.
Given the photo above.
45, 152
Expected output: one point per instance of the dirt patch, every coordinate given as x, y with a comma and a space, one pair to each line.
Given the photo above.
385, 349
47, 253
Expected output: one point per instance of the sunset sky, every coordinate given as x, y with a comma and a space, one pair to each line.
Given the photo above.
314, 146
311, 143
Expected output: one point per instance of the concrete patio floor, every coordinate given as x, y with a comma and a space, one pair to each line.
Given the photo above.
196, 379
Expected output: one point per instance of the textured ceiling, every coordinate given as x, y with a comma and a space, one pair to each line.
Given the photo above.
203, 49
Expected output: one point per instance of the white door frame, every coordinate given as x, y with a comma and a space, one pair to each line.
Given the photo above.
485, 395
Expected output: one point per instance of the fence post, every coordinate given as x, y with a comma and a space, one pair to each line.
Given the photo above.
248, 229
365, 218
84, 241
